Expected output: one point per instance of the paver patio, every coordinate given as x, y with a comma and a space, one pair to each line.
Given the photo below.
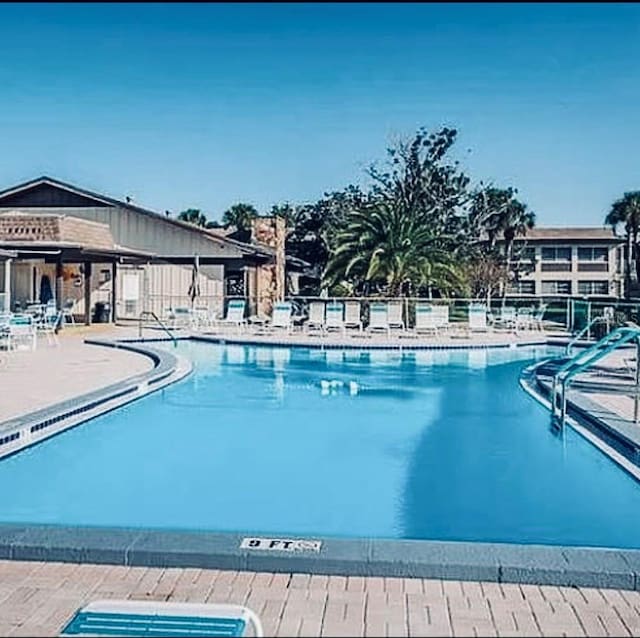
37, 599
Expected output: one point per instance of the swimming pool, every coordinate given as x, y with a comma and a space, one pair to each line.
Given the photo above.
439, 445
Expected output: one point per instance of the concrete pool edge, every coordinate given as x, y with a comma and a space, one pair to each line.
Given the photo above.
495, 562
491, 562
29, 429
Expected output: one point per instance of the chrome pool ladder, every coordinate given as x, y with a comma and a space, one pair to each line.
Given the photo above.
616, 338
149, 313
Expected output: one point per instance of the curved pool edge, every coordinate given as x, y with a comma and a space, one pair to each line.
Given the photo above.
491, 562
29, 429
604, 429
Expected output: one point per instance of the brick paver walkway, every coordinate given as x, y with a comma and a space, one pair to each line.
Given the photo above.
37, 599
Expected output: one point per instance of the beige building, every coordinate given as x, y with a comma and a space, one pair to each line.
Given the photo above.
85, 249
578, 262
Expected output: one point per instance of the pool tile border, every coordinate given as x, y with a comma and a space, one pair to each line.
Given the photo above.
29, 429
491, 562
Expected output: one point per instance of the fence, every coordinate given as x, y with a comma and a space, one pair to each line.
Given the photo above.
560, 313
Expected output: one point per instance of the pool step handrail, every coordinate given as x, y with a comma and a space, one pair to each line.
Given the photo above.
150, 313
585, 330
563, 377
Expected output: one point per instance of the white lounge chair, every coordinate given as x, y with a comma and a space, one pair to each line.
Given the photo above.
180, 317
316, 316
507, 318
395, 312
281, 316
235, 314
477, 317
426, 319
352, 315
49, 323
334, 320
156, 618
378, 317
22, 331
441, 313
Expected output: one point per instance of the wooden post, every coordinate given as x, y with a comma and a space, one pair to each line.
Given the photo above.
87, 293
281, 235
7, 285
59, 284
114, 290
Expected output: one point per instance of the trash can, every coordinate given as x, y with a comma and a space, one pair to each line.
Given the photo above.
102, 312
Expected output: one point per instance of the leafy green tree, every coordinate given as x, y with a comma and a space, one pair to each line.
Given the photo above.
497, 216
406, 233
193, 216
625, 213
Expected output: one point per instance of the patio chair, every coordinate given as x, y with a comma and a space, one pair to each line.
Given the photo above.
155, 618
538, 317
477, 317
441, 313
316, 316
378, 317
506, 320
334, 320
5, 320
235, 314
352, 315
48, 325
426, 319
524, 319
67, 312
281, 316
180, 317
22, 331
395, 312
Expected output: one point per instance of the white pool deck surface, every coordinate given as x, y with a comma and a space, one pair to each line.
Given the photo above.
37, 599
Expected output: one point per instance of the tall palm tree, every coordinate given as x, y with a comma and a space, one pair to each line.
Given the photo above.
382, 248
193, 216
625, 212
240, 215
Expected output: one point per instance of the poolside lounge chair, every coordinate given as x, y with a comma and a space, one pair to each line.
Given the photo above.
477, 317
378, 317
235, 314
49, 323
180, 317
281, 316
316, 316
22, 331
153, 618
67, 312
352, 315
441, 313
334, 320
507, 318
395, 311
426, 319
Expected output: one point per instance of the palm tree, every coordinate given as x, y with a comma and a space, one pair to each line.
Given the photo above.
626, 212
193, 216
382, 248
240, 215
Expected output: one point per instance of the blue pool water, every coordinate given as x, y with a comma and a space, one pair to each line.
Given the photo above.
428, 445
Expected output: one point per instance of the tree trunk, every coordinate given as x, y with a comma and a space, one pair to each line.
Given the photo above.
627, 269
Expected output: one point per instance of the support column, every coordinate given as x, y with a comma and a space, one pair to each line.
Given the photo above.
87, 293
114, 290
7, 285
59, 284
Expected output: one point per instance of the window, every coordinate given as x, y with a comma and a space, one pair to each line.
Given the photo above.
105, 276
593, 254
593, 287
556, 288
522, 288
556, 253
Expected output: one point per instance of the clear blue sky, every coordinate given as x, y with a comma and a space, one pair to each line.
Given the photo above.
207, 105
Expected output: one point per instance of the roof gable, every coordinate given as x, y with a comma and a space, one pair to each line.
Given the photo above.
45, 194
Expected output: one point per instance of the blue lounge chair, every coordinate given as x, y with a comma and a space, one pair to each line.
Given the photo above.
142, 618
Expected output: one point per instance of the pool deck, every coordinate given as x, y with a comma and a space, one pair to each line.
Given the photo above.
37, 599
